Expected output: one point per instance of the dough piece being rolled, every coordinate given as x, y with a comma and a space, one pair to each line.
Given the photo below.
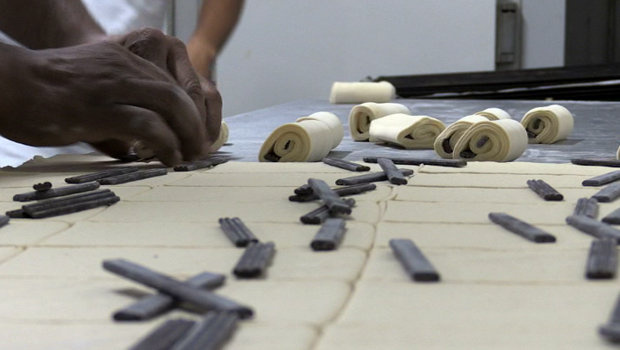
308, 139
501, 140
409, 131
222, 139
447, 140
548, 124
494, 114
361, 116
361, 92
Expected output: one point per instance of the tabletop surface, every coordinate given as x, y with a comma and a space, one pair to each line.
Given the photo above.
595, 134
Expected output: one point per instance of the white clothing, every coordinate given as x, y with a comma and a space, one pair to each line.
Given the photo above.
115, 16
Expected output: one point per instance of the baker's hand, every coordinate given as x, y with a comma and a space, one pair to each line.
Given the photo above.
171, 56
103, 94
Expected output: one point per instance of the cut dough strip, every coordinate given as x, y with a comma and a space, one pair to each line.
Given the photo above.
446, 141
409, 131
548, 124
360, 92
362, 115
308, 139
494, 114
500, 141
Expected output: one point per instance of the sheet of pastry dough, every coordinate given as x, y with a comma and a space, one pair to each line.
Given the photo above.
502, 140
548, 124
446, 141
360, 92
308, 139
409, 131
494, 114
362, 115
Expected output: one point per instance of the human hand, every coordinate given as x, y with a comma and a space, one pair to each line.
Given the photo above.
171, 56
105, 95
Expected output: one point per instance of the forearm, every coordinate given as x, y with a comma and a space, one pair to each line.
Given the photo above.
49, 23
216, 22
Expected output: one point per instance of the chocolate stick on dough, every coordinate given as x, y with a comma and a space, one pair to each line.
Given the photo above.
602, 259
611, 330
175, 288
346, 165
329, 235
593, 227
157, 304
608, 194
237, 232
455, 163
56, 192
368, 178
100, 175
586, 207
521, 228
602, 179
394, 176
202, 164
255, 260
544, 190
211, 333
342, 191
320, 214
335, 204
134, 176
164, 336
413, 260
610, 162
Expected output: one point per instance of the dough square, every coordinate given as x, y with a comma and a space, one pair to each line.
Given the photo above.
197, 235
494, 181
284, 168
477, 213
291, 302
62, 335
257, 335
450, 305
277, 212
70, 300
484, 195
23, 232
485, 267
292, 180
525, 168
288, 263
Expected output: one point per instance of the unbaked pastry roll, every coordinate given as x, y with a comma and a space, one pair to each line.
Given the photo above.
308, 139
494, 114
447, 140
501, 140
548, 124
361, 116
361, 92
409, 131
222, 138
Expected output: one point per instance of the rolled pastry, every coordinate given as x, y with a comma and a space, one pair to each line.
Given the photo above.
501, 140
494, 114
409, 131
361, 116
446, 141
548, 124
361, 92
222, 138
308, 139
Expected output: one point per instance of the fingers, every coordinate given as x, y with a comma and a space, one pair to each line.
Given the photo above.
113, 147
170, 55
138, 123
213, 105
173, 105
